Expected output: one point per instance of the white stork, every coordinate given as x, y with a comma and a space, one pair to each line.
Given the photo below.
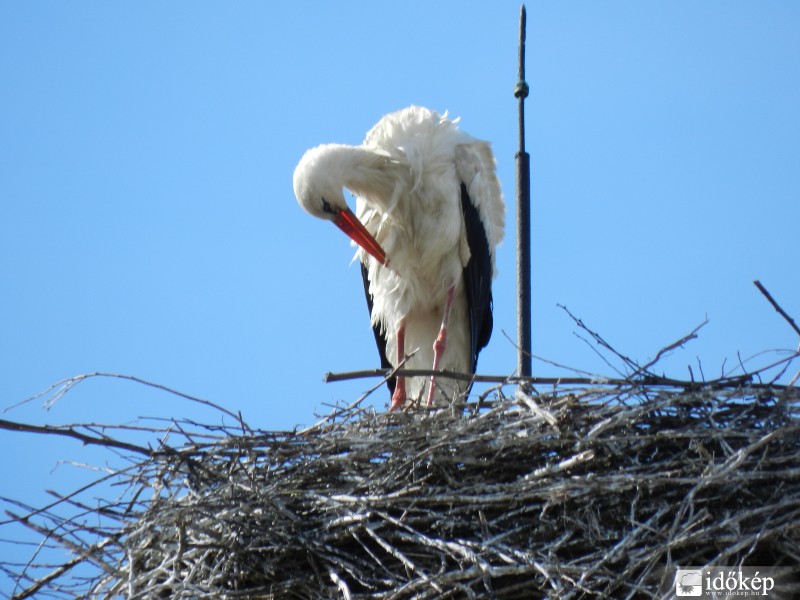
429, 216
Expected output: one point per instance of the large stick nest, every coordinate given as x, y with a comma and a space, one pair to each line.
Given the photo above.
581, 491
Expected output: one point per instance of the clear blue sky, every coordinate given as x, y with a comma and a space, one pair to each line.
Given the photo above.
148, 225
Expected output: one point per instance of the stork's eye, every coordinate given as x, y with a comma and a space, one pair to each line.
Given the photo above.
326, 207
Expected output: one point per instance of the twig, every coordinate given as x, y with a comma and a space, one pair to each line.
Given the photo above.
643, 380
776, 306
690, 336
599, 339
55, 574
69, 431
61, 499
61, 388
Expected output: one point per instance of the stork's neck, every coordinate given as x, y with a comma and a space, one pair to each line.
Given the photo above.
365, 172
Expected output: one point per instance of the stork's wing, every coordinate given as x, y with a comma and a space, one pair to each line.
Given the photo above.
477, 279
380, 339
484, 219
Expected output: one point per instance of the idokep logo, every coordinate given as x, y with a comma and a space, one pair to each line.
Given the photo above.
733, 582
689, 582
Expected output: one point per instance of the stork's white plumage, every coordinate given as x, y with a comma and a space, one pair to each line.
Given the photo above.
429, 216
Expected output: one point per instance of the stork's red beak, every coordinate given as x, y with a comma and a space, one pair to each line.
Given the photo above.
349, 223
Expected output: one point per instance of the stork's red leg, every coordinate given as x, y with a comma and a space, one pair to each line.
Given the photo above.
399, 396
441, 341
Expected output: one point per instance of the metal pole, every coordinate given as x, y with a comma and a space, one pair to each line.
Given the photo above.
523, 168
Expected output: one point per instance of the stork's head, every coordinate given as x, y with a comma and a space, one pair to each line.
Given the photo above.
318, 186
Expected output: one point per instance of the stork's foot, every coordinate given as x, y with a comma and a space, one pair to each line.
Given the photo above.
432, 391
438, 350
399, 396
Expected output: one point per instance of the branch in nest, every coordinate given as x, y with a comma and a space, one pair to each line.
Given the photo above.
645, 380
70, 431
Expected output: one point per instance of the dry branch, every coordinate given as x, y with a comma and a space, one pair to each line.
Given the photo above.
655, 381
776, 306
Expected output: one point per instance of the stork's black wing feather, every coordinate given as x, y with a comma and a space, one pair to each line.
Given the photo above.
380, 339
477, 279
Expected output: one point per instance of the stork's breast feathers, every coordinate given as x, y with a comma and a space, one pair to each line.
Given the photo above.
410, 198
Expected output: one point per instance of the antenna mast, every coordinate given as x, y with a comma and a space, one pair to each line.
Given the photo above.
523, 168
